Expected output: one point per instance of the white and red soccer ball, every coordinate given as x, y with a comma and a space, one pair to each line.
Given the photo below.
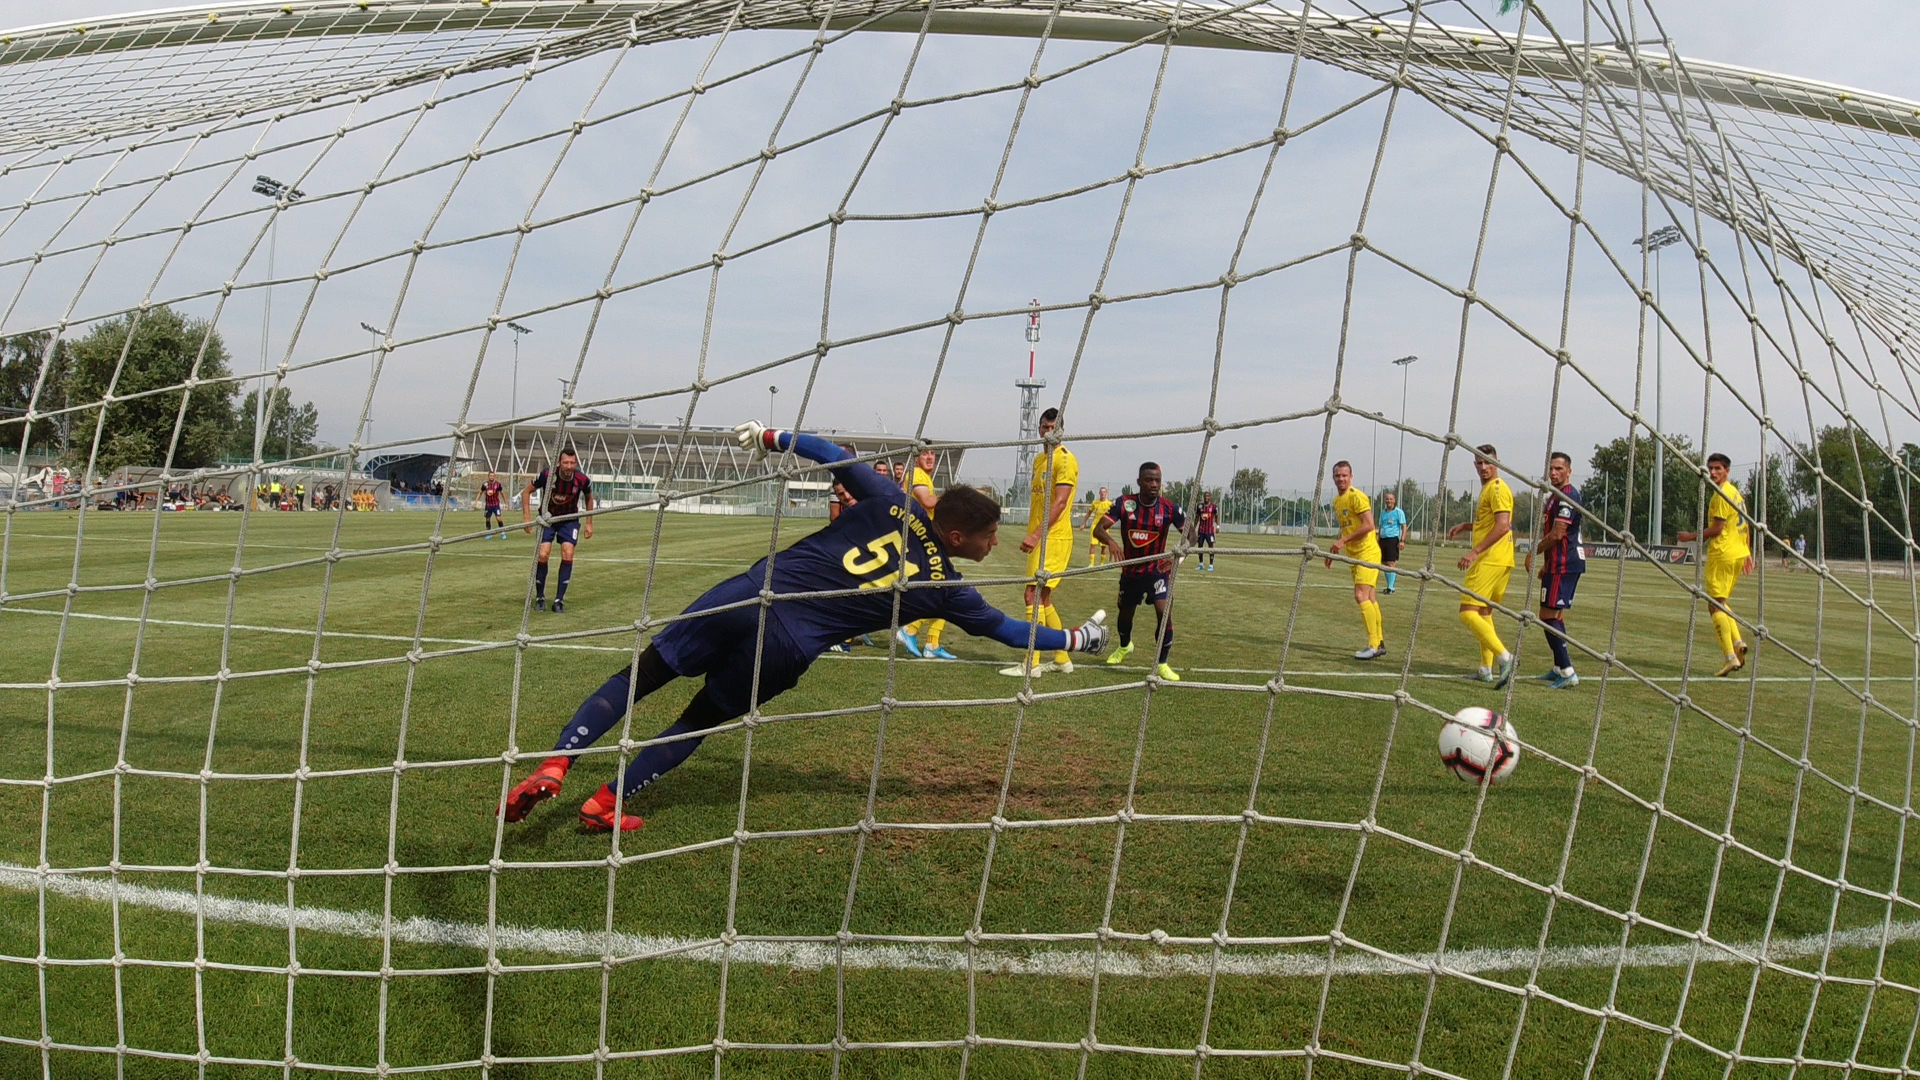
1479, 746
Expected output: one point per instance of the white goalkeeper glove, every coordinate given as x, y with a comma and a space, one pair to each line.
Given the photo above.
1090, 636
753, 436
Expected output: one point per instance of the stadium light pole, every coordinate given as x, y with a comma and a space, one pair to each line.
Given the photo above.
373, 368
772, 392
1651, 244
277, 191
513, 402
1400, 466
1235, 447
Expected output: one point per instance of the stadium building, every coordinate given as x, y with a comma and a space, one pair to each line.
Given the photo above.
632, 462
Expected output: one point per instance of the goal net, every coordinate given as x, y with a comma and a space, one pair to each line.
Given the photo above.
283, 286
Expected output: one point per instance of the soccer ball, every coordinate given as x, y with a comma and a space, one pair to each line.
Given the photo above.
1479, 746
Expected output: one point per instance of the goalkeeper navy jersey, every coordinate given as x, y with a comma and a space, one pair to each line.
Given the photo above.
861, 555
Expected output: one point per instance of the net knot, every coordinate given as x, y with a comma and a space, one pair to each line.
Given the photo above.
956, 317
843, 936
603, 293
1158, 937
1032, 82
1137, 173
1502, 143
997, 822
1358, 241
769, 154
1125, 816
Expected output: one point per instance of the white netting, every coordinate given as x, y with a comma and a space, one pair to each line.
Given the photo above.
249, 798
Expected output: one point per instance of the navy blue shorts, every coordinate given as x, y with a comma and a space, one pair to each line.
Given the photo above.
1204, 539
722, 647
493, 511
566, 532
1556, 590
1148, 588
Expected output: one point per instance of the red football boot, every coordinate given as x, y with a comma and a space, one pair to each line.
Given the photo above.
596, 814
544, 784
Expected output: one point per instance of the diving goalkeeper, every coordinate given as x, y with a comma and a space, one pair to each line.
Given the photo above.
884, 536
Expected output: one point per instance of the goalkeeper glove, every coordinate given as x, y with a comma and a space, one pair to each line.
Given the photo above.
757, 437
1089, 636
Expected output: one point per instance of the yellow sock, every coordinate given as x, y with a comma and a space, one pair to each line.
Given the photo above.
913, 627
1482, 629
1370, 614
1052, 618
1726, 630
932, 639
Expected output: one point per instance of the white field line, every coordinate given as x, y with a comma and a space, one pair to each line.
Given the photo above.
819, 956
1123, 669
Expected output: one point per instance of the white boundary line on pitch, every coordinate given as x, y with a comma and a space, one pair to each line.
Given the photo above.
841, 657
822, 956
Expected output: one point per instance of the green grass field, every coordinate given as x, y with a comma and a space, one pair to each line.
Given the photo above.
1739, 814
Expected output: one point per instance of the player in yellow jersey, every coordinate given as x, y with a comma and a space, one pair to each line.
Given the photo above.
1488, 565
1049, 539
922, 638
1354, 511
1729, 555
1096, 509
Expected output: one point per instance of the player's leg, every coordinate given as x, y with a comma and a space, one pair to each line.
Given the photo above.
723, 698
1555, 598
566, 576
1163, 629
1128, 599
930, 646
1720, 578
540, 570
909, 638
1062, 660
1496, 663
595, 717
1029, 664
1365, 580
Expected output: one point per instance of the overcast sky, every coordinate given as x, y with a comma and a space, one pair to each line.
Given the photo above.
1146, 364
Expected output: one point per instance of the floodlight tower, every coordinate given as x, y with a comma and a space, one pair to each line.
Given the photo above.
1030, 388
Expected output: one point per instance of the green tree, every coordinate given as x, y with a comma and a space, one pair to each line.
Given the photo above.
1248, 492
1777, 505
292, 431
162, 348
1856, 468
22, 357
1605, 489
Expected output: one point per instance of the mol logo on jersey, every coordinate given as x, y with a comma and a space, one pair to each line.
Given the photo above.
1140, 537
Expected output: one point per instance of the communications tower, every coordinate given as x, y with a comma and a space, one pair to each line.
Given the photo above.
1030, 388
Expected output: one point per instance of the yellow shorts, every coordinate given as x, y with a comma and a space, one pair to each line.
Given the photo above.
1721, 576
1365, 575
1059, 555
1488, 580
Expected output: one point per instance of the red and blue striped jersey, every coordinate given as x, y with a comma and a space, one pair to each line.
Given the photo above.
1144, 528
1567, 557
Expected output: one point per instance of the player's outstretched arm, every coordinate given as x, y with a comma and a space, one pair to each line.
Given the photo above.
967, 609
862, 482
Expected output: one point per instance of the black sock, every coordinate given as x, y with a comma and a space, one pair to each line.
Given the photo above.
1555, 629
566, 574
1166, 639
652, 762
1126, 627
539, 580
604, 707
